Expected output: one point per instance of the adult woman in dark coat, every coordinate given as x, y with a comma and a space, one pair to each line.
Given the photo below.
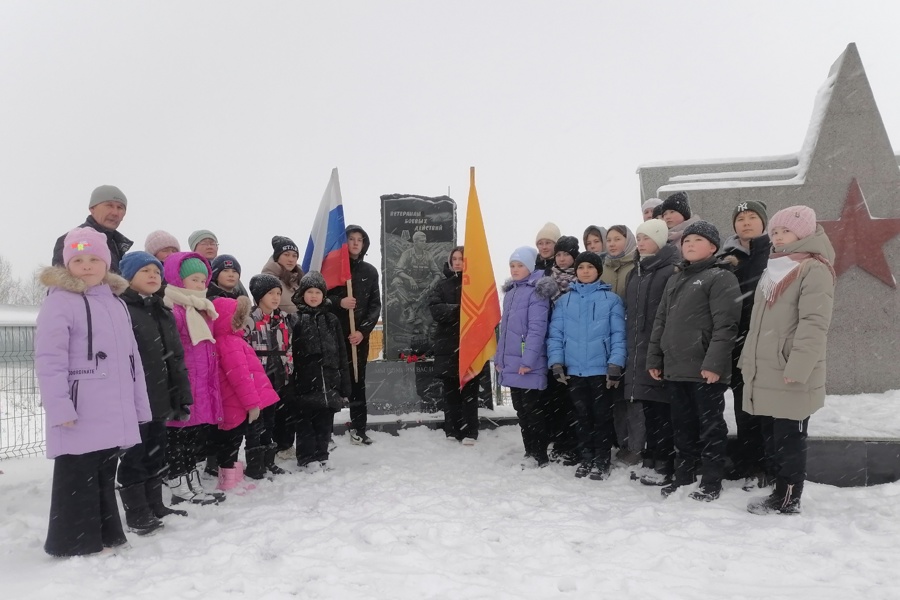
460, 405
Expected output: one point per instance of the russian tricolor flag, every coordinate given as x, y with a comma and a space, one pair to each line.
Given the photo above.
327, 251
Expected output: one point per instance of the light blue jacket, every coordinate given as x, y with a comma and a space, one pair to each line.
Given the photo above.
587, 330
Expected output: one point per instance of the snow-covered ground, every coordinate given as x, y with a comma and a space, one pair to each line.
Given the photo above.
416, 516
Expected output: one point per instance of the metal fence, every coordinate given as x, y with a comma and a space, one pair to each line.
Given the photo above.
21, 414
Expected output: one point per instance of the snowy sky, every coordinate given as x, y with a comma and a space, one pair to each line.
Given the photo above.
229, 116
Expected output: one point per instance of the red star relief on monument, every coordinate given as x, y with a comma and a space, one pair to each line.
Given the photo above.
858, 237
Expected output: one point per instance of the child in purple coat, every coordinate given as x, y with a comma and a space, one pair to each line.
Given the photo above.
521, 358
188, 275
93, 391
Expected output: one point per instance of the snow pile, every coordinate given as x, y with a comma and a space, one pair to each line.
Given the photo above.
416, 517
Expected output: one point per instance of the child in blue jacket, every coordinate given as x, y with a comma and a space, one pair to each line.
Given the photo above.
587, 341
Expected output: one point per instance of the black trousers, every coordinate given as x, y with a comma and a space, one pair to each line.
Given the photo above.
84, 515
749, 457
658, 424
461, 408
314, 427
284, 426
785, 443
185, 445
146, 460
561, 417
227, 443
532, 420
594, 406
698, 421
358, 411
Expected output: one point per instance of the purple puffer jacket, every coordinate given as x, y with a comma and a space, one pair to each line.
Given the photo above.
88, 366
242, 378
202, 360
523, 332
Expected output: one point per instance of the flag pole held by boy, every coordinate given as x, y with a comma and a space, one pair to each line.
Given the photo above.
326, 250
479, 312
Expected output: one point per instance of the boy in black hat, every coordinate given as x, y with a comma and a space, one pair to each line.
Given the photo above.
226, 278
746, 254
676, 212
690, 349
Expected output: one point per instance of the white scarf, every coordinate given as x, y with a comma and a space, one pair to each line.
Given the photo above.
193, 301
776, 270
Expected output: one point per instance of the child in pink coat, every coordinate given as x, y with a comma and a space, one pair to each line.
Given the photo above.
246, 390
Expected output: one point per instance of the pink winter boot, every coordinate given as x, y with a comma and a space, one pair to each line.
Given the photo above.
227, 479
239, 479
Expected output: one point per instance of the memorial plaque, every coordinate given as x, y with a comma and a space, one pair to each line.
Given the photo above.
416, 238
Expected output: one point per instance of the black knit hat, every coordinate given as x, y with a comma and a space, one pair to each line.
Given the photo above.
281, 244
703, 229
657, 211
313, 279
677, 202
757, 206
260, 285
222, 262
590, 257
568, 244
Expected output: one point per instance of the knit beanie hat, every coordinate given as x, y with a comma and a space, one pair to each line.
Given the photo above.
654, 229
679, 203
281, 244
107, 193
567, 244
651, 203
525, 255
191, 266
222, 262
313, 279
84, 241
703, 229
756, 206
657, 211
801, 220
590, 257
200, 235
133, 262
260, 285
159, 239
548, 232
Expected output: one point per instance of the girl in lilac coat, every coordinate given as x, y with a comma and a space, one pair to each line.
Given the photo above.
246, 390
93, 391
521, 358
188, 275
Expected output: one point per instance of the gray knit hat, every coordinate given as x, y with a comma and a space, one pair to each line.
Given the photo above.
107, 193
198, 236
313, 279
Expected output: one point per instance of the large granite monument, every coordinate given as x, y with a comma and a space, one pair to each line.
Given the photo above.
847, 171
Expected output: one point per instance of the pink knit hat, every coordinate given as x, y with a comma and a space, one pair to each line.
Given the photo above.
159, 239
801, 220
84, 240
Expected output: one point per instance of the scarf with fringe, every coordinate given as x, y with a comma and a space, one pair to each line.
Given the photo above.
782, 270
193, 301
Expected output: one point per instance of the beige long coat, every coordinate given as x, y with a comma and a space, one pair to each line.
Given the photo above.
788, 339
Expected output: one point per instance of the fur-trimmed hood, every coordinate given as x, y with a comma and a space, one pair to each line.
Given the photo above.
545, 287
60, 277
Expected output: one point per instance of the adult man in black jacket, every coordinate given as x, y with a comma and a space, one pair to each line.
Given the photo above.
107, 207
746, 254
366, 307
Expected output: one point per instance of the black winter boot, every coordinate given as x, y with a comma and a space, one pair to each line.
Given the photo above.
583, 470
600, 469
153, 489
708, 491
212, 466
784, 500
256, 462
685, 474
662, 473
138, 516
274, 469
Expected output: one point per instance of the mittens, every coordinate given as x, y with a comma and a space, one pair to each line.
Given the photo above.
613, 376
559, 373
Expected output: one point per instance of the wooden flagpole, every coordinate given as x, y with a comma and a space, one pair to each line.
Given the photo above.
353, 349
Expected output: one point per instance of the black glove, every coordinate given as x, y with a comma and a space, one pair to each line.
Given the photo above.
613, 376
559, 373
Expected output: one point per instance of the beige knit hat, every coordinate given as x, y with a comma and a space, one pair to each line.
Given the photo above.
549, 231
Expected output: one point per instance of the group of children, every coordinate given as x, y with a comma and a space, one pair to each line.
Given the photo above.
170, 362
663, 311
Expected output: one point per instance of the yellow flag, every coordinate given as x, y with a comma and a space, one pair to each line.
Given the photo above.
480, 305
